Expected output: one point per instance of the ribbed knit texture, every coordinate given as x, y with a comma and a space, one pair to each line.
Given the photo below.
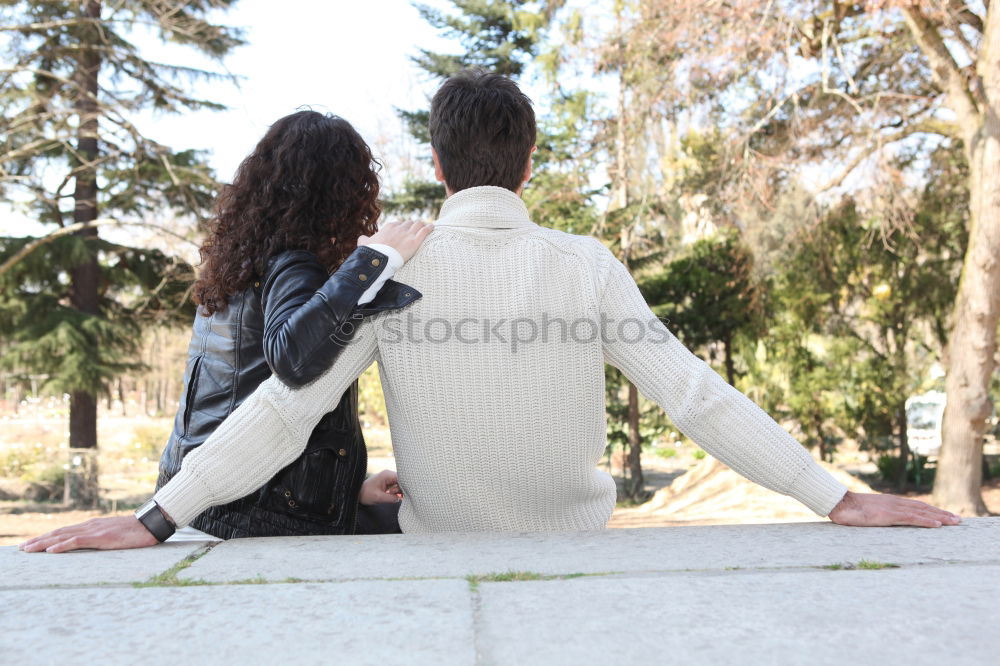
488, 433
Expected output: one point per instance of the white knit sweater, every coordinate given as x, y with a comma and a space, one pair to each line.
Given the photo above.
491, 429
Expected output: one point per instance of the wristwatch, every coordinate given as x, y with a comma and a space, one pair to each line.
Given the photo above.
151, 516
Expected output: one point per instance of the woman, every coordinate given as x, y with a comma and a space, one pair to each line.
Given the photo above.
302, 203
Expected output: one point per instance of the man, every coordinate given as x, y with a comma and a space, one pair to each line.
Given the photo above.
494, 380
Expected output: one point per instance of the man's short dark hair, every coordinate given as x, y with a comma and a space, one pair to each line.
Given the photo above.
483, 129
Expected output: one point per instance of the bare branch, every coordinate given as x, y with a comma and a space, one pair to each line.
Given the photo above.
964, 15
947, 74
930, 126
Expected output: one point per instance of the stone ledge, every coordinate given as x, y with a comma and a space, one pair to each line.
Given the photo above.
904, 617
374, 622
609, 551
700, 595
87, 567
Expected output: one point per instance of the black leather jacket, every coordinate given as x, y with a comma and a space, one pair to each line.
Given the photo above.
293, 322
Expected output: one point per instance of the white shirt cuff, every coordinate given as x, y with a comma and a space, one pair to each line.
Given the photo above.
395, 263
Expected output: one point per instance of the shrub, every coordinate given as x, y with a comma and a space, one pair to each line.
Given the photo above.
993, 471
19, 460
918, 471
150, 438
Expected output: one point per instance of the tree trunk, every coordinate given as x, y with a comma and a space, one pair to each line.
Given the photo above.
637, 483
86, 275
727, 347
973, 341
820, 436
904, 448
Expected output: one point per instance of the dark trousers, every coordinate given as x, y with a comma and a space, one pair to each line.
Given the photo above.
378, 519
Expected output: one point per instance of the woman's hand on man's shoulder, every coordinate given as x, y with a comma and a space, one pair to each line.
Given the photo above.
404, 237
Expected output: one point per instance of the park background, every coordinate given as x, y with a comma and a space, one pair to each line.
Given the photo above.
807, 192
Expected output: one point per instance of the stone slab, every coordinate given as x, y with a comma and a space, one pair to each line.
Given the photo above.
626, 550
372, 622
900, 617
89, 567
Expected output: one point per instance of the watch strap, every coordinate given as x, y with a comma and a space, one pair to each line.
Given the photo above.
152, 518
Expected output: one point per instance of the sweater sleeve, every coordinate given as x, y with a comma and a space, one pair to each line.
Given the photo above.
264, 434
702, 405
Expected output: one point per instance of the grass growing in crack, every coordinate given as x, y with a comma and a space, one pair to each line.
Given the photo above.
872, 564
169, 577
260, 580
517, 576
256, 580
510, 576
862, 564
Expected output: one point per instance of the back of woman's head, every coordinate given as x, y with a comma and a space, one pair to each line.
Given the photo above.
310, 184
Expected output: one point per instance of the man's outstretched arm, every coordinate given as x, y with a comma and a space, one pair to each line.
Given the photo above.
729, 425
267, 432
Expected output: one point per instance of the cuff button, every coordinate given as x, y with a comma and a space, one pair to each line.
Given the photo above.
362, 277
376, 262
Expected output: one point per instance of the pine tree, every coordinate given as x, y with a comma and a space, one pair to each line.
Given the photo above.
73, 303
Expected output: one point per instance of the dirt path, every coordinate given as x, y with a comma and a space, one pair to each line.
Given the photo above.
16, 527
17, 524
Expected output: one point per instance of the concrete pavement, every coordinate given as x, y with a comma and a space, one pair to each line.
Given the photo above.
749, 594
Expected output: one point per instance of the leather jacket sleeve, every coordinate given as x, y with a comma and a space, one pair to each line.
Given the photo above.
308, 315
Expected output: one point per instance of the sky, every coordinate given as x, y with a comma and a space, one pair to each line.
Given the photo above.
343, 56
348, 57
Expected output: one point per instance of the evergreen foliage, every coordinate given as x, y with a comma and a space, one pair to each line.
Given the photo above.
75, 351
71, 155
710, 295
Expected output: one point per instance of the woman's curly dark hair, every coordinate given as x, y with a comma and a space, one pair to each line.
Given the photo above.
310, 184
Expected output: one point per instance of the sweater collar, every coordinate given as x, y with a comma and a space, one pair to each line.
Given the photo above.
484, 207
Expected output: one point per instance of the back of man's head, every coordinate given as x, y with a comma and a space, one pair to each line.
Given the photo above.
483, 129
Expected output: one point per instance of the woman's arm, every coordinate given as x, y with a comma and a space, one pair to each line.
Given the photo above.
307, 315
267, 431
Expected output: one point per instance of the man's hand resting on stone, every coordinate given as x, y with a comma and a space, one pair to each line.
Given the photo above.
116, 533
871, 510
